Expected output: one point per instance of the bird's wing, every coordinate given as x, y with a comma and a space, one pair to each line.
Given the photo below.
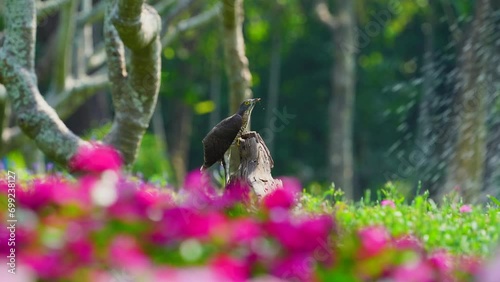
220, 138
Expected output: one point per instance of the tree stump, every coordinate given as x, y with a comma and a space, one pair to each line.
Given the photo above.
255, 165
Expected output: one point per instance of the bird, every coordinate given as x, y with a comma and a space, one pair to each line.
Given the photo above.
220, 138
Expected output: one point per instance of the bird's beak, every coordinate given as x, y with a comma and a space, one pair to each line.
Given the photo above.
256, 100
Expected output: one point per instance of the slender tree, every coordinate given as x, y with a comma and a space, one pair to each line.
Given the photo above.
467, 165
236, 63
342, 25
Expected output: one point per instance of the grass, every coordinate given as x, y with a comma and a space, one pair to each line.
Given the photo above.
440, 226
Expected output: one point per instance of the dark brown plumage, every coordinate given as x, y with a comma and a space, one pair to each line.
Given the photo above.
220, 138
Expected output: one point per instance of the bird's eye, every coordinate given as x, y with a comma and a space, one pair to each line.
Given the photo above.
247, 103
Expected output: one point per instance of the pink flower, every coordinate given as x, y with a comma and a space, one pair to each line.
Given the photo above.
95, 158
298, 267
202, 273
234, 193
39, 195
417, 272
125, 253
283, 197
200, 194
48, 266
78, 195
409, 242
373, 241
244, 231
442, 262
231, 268
465, 209
279, 198
388, 203
291, 233
181, 223
81, 250
469, 265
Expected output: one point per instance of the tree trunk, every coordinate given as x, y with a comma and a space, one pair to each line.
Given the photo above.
256, 164
342, 25
430, 123
236, 64
179, 141
466, 170
492, 170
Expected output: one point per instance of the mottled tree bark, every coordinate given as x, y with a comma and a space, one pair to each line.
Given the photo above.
256, 165
17, 58
236, 64
466, 169
492, 170
135, 25
340, 114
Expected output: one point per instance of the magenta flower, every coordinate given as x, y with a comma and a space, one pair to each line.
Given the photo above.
415, 272
234, 193
39, 195
388, 203
408, 242
373, 241
81, 250
298, 267
469, 264
290, 232
231, 268
441, 261
49, 266
187, 274
244, 231
125, 253
78, 194
200, 194
95, 158
181, 223
279, 198
465, 209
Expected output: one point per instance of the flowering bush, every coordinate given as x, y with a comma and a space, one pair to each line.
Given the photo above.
104, 226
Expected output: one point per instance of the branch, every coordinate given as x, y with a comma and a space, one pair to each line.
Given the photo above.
137, 24
133, 24
93, 15
325, 16
178, 9
162, 5
97, 59
35, 117
64, 48
47, 8
84, 43
190, 23
82, 89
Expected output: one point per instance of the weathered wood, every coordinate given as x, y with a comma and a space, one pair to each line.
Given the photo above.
255, 165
